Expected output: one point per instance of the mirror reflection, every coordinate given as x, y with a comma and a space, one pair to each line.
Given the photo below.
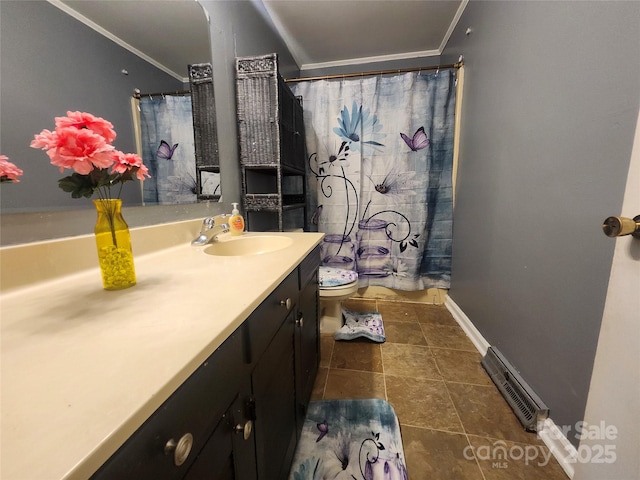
167, 146
53, 63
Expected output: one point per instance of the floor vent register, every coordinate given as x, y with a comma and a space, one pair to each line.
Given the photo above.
528, 407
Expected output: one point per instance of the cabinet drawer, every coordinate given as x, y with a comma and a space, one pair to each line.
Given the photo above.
195, 408
265, 320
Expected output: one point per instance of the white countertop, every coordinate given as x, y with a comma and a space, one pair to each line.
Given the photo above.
82, 368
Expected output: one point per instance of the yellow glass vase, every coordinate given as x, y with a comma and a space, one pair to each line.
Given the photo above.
114, 246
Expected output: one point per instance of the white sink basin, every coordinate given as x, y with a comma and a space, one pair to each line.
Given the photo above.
243, 246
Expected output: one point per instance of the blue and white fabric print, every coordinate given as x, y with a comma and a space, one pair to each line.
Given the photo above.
361, 325
168, 151
381, 158
335, 277
350, 439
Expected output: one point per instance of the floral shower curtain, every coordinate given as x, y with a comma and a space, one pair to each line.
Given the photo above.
380, 158
166, 129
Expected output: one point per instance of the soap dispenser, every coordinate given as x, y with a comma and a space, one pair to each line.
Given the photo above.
236, 222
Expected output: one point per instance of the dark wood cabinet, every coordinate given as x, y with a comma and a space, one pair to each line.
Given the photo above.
168, 442
239, 415
307, 335
216, 461
271, 329
274, 392
229, 452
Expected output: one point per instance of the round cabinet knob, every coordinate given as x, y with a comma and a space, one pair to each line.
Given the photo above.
300, 321
180, 450
244, 429
286, 303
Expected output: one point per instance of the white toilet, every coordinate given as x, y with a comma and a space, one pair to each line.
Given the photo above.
335, 285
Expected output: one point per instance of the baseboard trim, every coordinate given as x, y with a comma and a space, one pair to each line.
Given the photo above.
557, 443
559, 446
465, 323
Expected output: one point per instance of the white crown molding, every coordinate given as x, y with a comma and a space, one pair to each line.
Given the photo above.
453, 25
91, 24
302, 59
364, 60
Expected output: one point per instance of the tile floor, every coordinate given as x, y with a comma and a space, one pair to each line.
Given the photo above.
447, 406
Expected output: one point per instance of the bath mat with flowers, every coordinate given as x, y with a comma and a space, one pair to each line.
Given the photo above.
361, 324
350, 439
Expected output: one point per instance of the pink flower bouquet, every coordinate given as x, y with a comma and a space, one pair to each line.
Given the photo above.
83, 143
8, 171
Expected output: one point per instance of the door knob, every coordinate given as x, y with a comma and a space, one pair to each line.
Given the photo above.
619, 226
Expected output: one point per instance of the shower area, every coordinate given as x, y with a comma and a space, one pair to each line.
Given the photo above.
165, 137
381, 157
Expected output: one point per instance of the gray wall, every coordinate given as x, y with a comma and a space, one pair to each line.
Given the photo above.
52, 63
550, 102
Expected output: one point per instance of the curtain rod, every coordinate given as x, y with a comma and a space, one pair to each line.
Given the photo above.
139, 95
379, 72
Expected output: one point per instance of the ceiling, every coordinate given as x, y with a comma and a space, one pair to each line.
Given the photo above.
319, 33
170, 34
328, 33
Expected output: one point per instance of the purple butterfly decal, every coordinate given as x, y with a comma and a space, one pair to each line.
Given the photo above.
419, 140
324, 429
165, 151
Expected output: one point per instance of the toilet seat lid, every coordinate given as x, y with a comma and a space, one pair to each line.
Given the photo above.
335, 277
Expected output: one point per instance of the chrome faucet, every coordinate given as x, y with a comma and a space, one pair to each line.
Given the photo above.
211, 228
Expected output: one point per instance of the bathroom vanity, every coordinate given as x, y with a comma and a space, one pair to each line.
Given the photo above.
204, 368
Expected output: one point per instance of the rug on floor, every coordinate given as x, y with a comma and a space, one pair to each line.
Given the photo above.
361, 324
350, 439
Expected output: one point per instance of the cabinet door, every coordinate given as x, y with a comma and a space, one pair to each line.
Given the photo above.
229, 453
216, 461
307, 347
274, 393
184, 422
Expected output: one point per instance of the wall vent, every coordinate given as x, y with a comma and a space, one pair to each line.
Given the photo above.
527, 406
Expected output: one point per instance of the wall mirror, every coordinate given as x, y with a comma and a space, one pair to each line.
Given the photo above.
53, 62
